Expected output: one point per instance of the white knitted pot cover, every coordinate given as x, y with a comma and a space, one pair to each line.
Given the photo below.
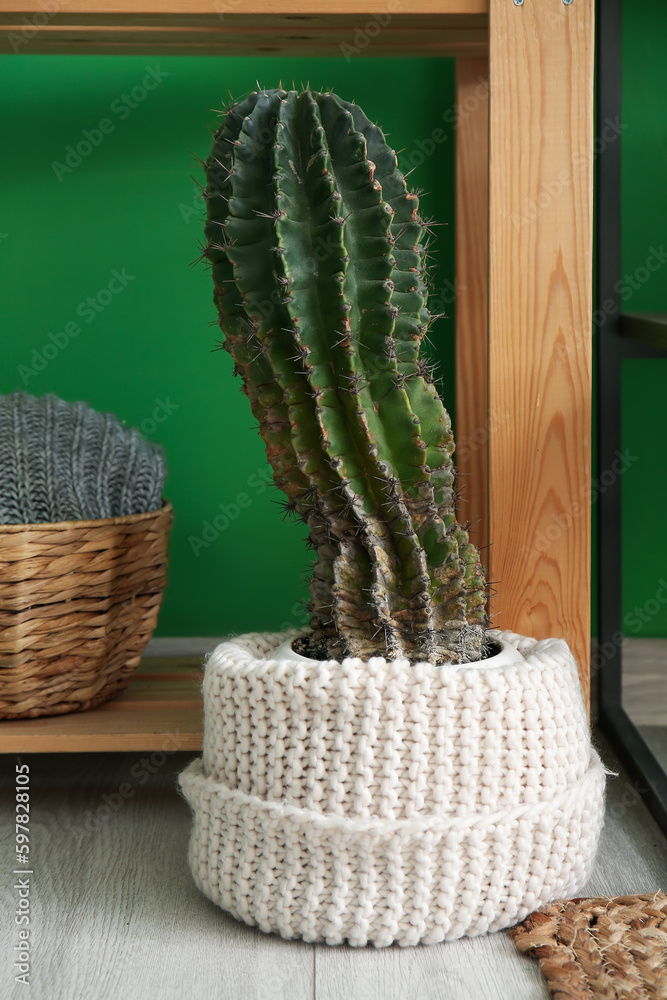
378, 802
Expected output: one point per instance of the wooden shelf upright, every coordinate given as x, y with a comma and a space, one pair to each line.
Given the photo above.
525, 152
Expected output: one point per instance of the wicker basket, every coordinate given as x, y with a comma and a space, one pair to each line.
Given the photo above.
79, 600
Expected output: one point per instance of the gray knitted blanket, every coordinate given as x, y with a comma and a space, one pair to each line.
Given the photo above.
66, 462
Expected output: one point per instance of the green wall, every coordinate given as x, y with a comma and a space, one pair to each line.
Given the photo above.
644, 289
130, 205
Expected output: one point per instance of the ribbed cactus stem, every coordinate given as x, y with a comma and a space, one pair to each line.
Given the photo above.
318, 262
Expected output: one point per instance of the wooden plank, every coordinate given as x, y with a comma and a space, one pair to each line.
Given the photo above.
487, 966
381, 33
189, 18
136, 702
540, 306
84, 43
161, 708
173, 730
472, 236
294, 9
115, 911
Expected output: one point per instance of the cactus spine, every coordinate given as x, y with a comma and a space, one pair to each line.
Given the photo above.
318, 263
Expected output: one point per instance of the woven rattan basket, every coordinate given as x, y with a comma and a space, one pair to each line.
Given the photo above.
79, 600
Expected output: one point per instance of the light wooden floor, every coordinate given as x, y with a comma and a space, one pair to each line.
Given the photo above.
645, 681
116, 915
645, 691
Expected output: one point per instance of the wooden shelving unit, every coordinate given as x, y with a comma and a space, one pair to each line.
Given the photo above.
237, 27
160, 710
524, 124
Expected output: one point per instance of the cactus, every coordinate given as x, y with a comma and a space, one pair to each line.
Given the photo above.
318, 259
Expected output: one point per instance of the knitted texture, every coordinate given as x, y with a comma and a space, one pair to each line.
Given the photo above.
65, 462
378, 802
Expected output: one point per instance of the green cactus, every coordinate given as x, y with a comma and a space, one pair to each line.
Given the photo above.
318, 262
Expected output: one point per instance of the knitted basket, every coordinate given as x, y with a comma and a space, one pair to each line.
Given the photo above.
79, 600
66, 462
381, 802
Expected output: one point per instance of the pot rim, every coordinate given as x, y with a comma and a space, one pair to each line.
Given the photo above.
505, 656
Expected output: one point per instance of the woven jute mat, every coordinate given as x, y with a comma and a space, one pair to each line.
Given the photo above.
609, 947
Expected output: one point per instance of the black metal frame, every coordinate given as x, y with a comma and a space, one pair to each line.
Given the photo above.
618, 337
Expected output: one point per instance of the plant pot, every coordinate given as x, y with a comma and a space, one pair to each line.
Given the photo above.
79, 601
378, 802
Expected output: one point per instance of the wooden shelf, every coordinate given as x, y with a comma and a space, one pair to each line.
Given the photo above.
524, 275
232, 27
160, 710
